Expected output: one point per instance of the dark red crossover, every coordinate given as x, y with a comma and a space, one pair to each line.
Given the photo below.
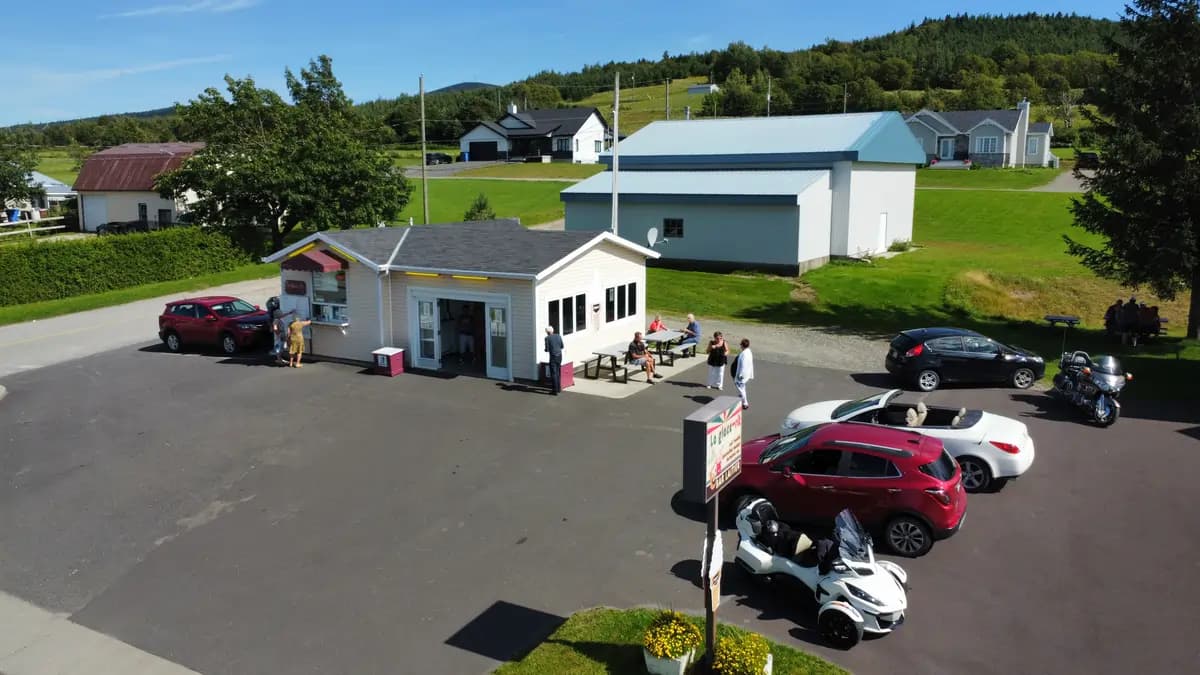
222, 321
898, 482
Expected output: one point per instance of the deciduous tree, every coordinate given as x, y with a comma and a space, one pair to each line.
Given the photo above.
16, 163
1144, 199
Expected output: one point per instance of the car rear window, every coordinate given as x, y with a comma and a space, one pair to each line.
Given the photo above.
903, 343
942, 468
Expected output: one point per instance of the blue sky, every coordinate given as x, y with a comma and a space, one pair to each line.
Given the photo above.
77, 58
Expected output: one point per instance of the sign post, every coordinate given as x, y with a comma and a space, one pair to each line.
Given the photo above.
712, 457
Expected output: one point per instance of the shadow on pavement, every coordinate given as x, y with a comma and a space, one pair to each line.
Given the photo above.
772, 598
1048, 408
524, 388
877, 380
685, 509
504, 631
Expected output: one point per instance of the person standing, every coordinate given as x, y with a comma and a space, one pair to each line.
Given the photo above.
554, 346
296, 341
744, 373
279, 329
466, 334
718, 356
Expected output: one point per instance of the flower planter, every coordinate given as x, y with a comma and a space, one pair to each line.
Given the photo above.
767, 668
657, 666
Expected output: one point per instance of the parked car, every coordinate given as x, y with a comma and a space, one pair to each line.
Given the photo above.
926, 357
224, 321
1087, 160
432, 158
990, 449
898, 482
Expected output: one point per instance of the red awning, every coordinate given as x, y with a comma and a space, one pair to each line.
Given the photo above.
315, 261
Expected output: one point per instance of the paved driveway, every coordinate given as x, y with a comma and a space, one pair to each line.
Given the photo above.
237, 518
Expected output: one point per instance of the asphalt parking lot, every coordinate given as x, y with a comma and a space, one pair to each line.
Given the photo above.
237, 518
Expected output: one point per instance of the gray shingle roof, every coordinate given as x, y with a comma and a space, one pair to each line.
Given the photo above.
965, 119
1039, 127
487, 247
935, 123
549, 121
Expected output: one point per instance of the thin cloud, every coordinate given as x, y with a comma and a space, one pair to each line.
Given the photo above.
99, 75
208, 6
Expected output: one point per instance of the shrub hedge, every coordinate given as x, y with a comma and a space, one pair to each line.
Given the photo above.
63, 269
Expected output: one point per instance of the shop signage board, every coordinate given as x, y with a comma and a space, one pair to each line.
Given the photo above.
295, 287
712, 448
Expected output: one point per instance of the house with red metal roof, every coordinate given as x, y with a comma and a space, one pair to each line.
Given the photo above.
117, 185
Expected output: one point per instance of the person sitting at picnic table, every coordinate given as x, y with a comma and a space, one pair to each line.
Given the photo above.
656, 325
1148, 320
1129, 320
1112, 317
691, 332
640, 356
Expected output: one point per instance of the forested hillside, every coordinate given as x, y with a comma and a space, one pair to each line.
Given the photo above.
956, 62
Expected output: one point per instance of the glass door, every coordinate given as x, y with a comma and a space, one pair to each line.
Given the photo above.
946, 151
497, 342
427, 335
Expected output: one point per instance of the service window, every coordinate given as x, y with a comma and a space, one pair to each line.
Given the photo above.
329, 297
620, 301
862, 465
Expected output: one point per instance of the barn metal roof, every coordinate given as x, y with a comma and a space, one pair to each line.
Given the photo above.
131, 167
771, 142
759, 187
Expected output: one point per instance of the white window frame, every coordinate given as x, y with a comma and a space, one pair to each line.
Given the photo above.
572, 303
341, 311
627, 290
1033, 145
599, 146
982, 143
562, 144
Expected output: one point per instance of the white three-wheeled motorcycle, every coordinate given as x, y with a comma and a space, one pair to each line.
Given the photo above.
854, 591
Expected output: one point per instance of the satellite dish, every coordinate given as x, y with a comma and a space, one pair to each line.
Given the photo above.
652, 236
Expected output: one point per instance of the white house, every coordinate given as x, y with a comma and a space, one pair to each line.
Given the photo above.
575, 135
117, 185
1002, 138
782, 194
418, 287
703, 89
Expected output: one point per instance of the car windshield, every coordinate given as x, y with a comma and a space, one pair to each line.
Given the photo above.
852, 408
1108, 365
233, 308
789, 443
853, 542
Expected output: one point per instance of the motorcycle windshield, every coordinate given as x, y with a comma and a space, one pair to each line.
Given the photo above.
854, 544
1107, 365
1109, 382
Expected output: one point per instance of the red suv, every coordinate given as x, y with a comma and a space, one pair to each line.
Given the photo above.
900, 482
221, 320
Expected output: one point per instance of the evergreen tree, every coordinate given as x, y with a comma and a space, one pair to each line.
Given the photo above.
1144, 200
480, 210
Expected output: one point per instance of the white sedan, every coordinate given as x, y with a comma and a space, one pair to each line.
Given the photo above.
991, 449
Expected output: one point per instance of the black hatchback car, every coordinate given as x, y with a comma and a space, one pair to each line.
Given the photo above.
926, 357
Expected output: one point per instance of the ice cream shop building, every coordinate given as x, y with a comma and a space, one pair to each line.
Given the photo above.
466, 297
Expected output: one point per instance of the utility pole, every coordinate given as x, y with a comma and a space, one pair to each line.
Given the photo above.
768, 96
668, 88
424, 163
845, 96
616, 138
497, 101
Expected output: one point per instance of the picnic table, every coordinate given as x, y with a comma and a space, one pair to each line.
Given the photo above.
665, 340
1067, 320
611, 352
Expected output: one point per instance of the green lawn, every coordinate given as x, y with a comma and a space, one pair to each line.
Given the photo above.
533, 202
1007, 179
562, 170
994, 261
643, 105
57, 164
49, 308
610, 641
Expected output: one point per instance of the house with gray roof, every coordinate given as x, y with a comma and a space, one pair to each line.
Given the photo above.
780, 194
999, 138
470, 298
576, 135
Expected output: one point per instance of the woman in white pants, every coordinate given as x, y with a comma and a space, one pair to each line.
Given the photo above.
745, 373
718, 353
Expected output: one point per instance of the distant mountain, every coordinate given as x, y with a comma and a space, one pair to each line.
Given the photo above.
462, 86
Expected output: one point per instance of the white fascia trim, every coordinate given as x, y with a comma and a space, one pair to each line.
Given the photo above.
592, 243
285, 252
320, 236
469, 273
992, 122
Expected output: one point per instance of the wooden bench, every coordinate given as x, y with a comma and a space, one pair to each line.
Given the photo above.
683, 351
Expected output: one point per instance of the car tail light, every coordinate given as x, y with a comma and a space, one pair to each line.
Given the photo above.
939, 494
1007, 447
915, 351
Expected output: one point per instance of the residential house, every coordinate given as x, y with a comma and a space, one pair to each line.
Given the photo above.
999, 138
54, 193
781, 194
117, 185
418, 287
576, 135
703, 89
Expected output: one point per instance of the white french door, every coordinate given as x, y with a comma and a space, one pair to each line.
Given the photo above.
425, 323
428, 350
497, 341
946, 148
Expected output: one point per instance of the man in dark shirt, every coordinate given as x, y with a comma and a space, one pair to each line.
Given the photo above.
554, 346
640, 356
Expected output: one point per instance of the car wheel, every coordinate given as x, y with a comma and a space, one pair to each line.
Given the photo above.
976, 475
838, 629
908, 537
172, 341
928, 380
228, 344
1022, 378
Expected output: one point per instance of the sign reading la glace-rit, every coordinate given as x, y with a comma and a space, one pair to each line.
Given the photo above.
723, 450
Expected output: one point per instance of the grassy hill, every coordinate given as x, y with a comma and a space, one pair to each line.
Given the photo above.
643, 105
